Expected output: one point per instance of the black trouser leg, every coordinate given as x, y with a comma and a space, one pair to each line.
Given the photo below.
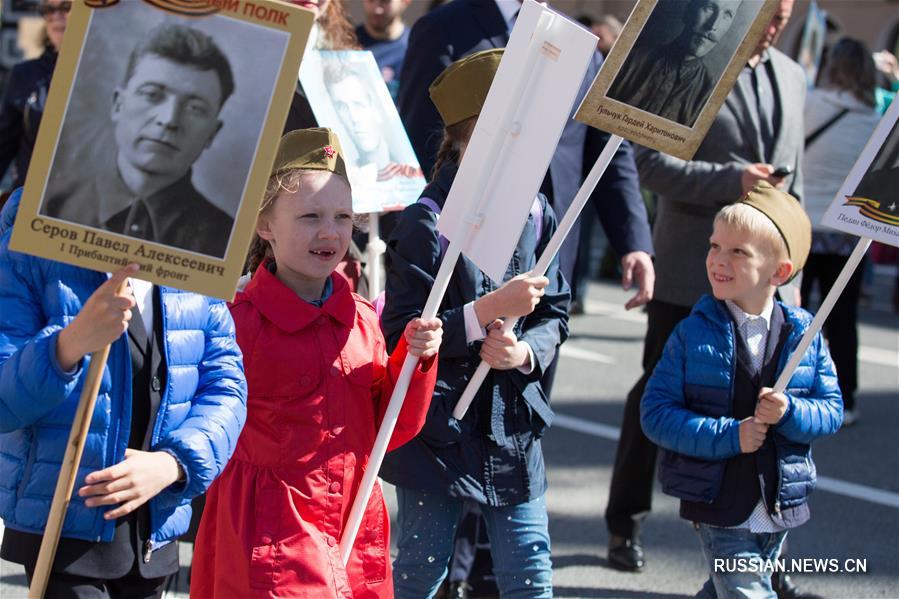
630, 493
130, 586
841, 326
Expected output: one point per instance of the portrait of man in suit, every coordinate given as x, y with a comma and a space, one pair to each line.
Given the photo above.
674, 79
164, 115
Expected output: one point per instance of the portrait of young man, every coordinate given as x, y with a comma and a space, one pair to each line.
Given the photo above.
674, 79
164, 114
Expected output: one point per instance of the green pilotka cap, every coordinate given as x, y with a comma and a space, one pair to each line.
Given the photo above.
788, 216
311, 149
460, 90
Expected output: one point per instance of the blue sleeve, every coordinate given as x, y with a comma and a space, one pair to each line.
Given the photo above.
32, 383
414, 257
817, 411
204, 442
669, 423
427, 55
617, 196
546, 327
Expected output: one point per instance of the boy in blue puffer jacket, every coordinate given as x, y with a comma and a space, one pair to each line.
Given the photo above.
736, 453
170, 408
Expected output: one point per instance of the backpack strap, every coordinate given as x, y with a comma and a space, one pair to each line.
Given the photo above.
435, 208
810, 139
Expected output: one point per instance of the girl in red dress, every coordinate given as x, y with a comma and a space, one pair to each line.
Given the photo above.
319, 380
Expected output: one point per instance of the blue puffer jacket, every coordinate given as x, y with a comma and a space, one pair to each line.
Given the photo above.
200, 416
688, 402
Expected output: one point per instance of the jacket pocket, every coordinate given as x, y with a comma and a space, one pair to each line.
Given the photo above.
689, 478
263, 555
374, 539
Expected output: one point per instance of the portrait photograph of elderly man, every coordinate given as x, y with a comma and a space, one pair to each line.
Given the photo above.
161, 126
673, 77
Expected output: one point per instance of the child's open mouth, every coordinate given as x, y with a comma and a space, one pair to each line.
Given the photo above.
323, 254
722, 278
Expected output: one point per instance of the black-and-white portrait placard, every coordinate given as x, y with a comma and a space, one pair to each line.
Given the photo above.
347, 94
867, 203
671, 69
160, 129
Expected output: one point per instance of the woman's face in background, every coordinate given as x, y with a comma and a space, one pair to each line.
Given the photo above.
56, 16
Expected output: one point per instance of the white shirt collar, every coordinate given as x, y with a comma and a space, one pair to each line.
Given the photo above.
740, 316
508, 8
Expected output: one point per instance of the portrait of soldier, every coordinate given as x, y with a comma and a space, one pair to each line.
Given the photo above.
164, 114
363, 119
673, 80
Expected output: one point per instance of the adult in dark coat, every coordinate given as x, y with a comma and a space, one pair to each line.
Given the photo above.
25, 95
463, 27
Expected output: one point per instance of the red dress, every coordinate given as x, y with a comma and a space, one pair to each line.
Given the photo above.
319, 382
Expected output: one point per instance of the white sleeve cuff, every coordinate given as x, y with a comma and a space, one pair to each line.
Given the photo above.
473, 329
529, 367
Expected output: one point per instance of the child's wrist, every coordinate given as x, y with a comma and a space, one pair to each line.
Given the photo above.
483, 309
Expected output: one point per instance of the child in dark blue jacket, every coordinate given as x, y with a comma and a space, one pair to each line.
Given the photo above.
736, 453
491, 457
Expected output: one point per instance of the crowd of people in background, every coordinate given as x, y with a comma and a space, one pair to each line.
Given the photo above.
276, 441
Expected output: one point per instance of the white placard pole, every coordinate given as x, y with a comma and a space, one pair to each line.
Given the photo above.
508, 131
552, 248
375, 249
826, 306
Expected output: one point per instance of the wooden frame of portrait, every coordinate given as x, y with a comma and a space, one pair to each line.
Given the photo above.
647, 128
231, 169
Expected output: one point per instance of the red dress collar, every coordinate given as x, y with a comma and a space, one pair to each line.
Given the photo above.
278, 303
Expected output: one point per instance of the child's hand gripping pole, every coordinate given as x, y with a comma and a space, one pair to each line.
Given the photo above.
826, 306
68, 471
552, 248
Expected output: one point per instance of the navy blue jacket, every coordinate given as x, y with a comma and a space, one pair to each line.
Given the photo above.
21, 111
463, 27
687, 409
493, 454
201, 413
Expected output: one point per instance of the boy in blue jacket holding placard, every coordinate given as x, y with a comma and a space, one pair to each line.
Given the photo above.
735, 452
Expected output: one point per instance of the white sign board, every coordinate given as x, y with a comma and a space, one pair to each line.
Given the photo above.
867, 204
516, 135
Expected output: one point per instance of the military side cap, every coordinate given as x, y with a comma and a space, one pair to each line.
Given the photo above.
788, 216
460, 90
312, 149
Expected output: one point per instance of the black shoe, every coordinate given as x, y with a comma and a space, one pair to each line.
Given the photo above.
625, 554
785, 588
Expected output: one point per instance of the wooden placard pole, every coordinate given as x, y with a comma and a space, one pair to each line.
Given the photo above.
68, 471
821, 315
552, 248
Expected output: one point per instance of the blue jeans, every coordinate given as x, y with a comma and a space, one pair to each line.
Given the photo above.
735, 557
519, 545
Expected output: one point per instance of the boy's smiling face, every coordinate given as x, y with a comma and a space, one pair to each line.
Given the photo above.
309, 231
742, 268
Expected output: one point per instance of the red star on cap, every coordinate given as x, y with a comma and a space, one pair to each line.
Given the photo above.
330, 151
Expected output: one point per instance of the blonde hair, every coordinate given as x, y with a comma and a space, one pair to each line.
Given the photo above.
286, 181
744, 217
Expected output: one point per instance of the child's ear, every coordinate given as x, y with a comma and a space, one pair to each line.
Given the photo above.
782, 274
263, 228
